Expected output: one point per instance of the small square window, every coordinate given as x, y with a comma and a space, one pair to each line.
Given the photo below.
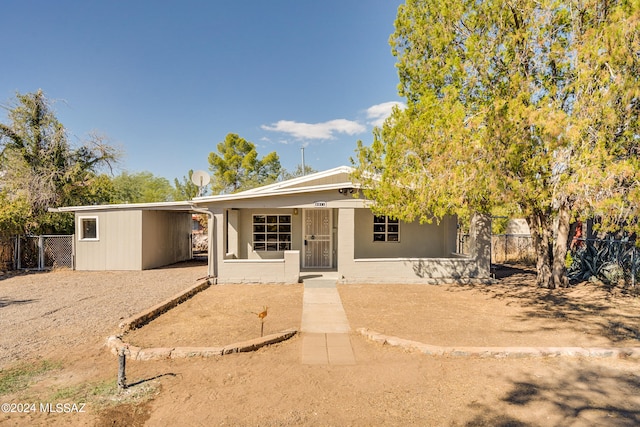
386, 229
88, 228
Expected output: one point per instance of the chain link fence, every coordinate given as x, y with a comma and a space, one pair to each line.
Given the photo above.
505, 248
36, 252
512, 248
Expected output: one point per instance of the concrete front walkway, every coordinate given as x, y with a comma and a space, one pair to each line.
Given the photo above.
325, 327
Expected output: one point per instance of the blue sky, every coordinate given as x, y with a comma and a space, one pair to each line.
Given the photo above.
167, 80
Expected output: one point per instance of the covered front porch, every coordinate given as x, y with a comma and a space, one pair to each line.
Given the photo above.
274, 245
256, 245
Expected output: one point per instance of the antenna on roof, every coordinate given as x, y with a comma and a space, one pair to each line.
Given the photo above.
201, 179
304, 172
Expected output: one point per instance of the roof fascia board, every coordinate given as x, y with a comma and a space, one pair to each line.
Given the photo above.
279, 192
300, 180
175, 206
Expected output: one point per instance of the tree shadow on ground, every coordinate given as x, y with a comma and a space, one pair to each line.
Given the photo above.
5, 302
608, 314
581, 395
515, 271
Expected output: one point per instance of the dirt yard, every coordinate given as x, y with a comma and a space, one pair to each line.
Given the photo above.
64, 318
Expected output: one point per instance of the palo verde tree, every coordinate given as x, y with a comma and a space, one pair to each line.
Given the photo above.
39, 168
237, 167
529, 105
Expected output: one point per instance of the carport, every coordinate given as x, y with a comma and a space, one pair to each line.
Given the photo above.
132, 236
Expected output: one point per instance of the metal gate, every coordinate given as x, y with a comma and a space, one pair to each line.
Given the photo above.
317, 238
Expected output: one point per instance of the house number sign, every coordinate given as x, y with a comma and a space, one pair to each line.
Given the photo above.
320, 204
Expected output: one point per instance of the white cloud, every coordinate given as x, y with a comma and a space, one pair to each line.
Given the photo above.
326, 130
377, 114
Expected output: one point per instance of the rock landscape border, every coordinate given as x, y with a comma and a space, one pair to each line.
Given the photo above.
115, 343
500, 352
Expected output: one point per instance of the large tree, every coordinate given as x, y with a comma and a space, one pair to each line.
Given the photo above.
237, 167
40, 169
531, 105
141, 187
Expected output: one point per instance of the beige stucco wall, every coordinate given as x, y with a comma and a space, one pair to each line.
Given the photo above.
412, 269
416, 240
119, 244
166, 238
284, 270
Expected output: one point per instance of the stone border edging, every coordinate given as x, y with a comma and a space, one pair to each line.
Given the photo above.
115, 344
501, 352
149, 314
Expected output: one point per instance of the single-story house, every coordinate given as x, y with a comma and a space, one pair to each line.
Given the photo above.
280, 232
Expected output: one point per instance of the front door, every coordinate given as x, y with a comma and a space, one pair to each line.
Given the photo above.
317, 238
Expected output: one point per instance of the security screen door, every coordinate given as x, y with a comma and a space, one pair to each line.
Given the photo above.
317, 238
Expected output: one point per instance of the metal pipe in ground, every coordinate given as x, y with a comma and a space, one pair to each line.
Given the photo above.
122, 362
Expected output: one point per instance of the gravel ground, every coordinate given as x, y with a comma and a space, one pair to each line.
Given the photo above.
43, 313
47, 310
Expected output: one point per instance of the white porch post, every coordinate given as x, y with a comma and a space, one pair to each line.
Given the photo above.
219, 238
232, 233
346, 240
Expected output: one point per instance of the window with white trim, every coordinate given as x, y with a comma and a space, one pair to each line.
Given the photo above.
88, 228
271, 232
386, 229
